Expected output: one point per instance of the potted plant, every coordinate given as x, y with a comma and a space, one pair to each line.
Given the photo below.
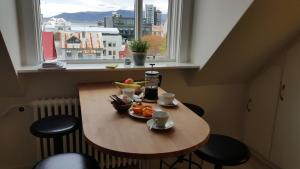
139, 49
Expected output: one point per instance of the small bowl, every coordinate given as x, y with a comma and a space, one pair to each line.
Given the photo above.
122, 108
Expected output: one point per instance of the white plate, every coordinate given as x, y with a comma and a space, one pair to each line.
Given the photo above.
151, 124
173, 104
132, 114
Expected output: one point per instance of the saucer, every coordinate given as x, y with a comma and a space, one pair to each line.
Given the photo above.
151, 124
173, 104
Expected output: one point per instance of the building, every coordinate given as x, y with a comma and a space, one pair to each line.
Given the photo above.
124, 24
81, 45
147, 29
125, 51
49, 50
112, 46
90, 43
157, 17
108, 22
56, 24
150, 13
157, 30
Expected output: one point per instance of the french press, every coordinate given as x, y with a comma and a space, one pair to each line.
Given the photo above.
153, 81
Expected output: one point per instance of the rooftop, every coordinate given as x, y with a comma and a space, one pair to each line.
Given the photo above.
90, 40
95, 29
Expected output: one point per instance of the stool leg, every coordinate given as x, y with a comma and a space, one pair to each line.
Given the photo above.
217, 166
160, 164
58, 145
190, 161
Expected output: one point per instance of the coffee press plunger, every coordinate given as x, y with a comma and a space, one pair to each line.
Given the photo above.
153, 81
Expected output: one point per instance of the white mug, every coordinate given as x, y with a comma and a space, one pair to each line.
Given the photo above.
160, 118
128, 92
167, 98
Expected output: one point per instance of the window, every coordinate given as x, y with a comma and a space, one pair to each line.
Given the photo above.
155, 27
118, 24
80, 54
98, 53
34, 26
69, 53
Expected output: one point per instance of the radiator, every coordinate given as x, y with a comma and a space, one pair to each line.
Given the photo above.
74, 142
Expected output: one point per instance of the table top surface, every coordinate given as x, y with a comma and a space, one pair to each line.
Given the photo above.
121, 135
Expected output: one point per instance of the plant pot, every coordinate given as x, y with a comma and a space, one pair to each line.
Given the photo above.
139, 58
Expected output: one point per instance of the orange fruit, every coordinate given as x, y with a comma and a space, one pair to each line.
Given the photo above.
147, 112
147, 106
137, 110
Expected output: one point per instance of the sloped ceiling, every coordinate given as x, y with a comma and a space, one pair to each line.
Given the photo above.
10, 85
9, 49
265, 29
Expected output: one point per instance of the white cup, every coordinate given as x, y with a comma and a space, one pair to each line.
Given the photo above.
160, 118
128, 92
167, 98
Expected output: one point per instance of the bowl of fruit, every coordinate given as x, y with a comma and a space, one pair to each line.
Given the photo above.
121, 103
130, 83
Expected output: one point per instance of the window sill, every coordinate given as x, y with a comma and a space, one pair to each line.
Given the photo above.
102, 67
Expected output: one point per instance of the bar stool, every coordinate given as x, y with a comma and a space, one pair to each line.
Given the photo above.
220, 150
68, 161
223, 151
55, 127
196, 109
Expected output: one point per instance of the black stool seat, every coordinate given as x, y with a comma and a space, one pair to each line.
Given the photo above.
224, 151
68, 161
196, 109
54, 126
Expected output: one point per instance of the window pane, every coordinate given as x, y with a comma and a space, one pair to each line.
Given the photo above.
80, 29
155, 25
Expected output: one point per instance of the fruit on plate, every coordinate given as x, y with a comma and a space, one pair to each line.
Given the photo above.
147, 112
143, 110
129, 81
137, 110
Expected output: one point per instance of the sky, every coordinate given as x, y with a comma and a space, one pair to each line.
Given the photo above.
54, 7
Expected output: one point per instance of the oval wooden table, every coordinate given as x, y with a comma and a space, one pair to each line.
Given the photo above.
120, 135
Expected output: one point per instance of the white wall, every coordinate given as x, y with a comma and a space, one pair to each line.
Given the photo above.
223, 105
30, 56
9, 29
213, 21
9, 49
261, 33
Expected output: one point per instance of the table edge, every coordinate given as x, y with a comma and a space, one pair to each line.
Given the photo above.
147, 156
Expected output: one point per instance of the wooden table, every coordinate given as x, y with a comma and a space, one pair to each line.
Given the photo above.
120, 135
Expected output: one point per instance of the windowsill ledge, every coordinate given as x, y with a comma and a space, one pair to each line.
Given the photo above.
102, 67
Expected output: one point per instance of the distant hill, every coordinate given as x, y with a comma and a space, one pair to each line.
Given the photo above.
89, 16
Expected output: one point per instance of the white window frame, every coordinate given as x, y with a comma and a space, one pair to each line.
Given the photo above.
29, 14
